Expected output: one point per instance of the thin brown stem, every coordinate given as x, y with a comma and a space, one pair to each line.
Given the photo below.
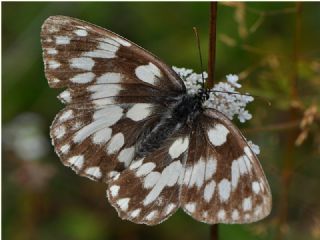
288, 158
211, 76
212, 44
214, 232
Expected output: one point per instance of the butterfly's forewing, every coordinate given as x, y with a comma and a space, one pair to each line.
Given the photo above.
148, 192
114, 91
223, 180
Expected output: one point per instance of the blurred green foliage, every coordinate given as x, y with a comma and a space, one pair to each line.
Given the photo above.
44, 200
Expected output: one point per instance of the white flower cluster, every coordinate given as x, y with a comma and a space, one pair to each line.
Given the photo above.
224, 96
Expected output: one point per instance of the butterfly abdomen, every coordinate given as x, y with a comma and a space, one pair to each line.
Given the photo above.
179, 114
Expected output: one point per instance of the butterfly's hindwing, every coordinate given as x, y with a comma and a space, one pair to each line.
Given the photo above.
148, 192
223, 181
100, 139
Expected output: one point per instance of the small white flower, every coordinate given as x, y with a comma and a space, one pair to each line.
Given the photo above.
233, 80
224, 96
255, 148
244, 115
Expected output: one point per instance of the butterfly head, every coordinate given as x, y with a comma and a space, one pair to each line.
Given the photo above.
203, 94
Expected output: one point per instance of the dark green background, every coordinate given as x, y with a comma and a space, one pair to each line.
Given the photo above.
66, 206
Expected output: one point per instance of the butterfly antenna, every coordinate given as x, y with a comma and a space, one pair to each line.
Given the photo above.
200, 55
245, 94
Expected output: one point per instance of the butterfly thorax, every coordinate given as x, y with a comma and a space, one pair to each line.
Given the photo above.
182, 112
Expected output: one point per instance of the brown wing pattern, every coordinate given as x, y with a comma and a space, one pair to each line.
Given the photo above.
148, 192
223, 180
114, 91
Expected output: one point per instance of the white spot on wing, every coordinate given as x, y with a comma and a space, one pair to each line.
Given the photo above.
209, 190
65, 96
218, 134
198, 172
151, 179
187, 175
59, 131
114, 190
102, 136
211, 167
109, 41
121, 41
190, 207
115, 143
65, 148
111, 114
151, 215
145, 169
235, 215
114, 174
135, 213
102, 91
247, 204
235, 174
123, 203
62, 40
148, 73
108, 47
53, 64
103, 102
139, 111
224, 190
83, 63
83, 77
81, 32
76, 162
91, 128
135, 164
169, 177
170, 207
66, 115
95, 172
98, 53
221, 214
110, 77
126, 156
242, 165
51, 51
255, 187
178, 147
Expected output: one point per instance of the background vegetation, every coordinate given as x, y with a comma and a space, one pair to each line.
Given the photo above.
274, 47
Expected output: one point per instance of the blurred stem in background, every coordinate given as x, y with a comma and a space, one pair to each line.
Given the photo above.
290, 149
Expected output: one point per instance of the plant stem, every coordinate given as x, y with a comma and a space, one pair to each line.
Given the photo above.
212, 44
211, 76
288, 162
214, 232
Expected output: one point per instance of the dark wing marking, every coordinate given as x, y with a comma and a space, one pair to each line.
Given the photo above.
148, 192
223, 181
115, 91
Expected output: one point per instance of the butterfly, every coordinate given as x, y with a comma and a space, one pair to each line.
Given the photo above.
130, 123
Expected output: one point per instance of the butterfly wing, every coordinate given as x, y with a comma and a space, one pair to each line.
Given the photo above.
223, 180
148, 192
114, 91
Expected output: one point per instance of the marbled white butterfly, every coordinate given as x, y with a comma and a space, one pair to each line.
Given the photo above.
130, 123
